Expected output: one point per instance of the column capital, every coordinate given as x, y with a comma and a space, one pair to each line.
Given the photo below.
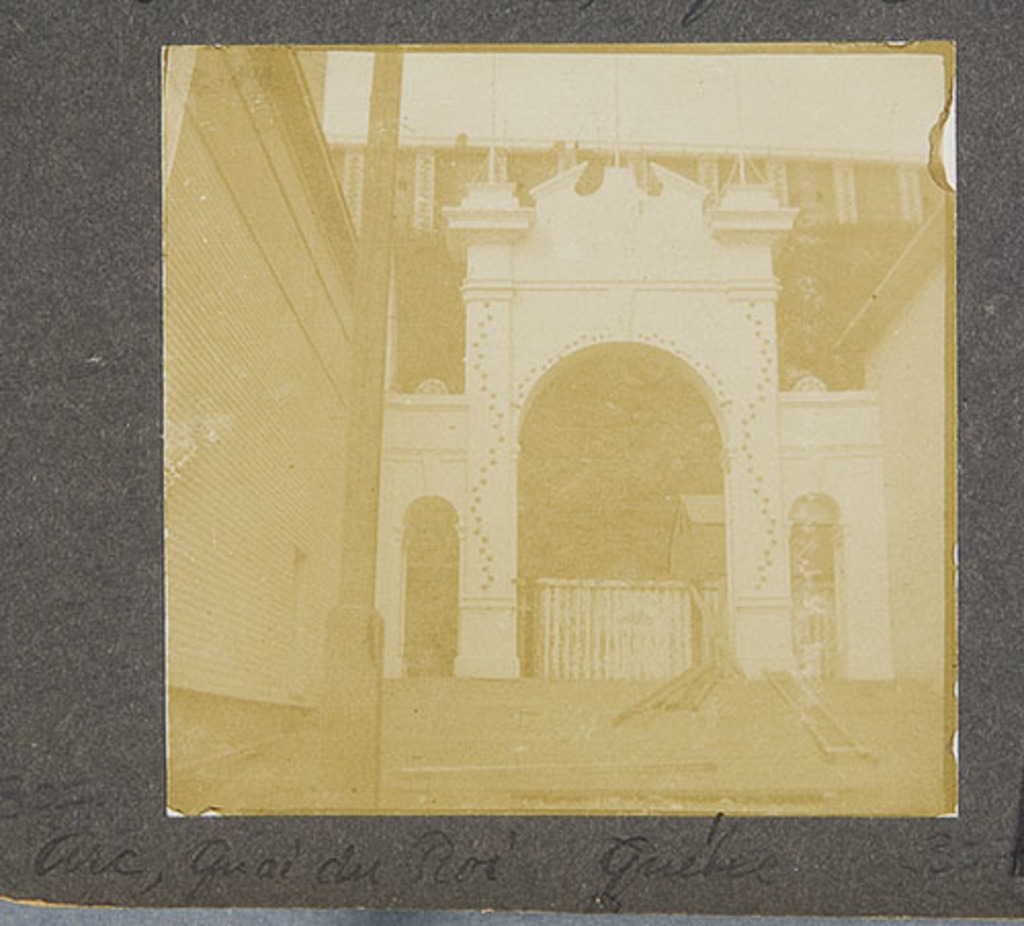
487, 291
489, 213
750, 214
762, 291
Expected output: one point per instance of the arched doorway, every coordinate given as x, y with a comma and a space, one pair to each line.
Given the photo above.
815, 557
431, 588
621, 516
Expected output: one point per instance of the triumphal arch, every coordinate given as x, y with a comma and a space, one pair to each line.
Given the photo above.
761, 540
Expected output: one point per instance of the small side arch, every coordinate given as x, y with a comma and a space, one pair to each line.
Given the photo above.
816, 581
430, 587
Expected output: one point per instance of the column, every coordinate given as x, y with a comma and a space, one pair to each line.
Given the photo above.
484, 227
487, 630
349, 722
748, 219
758, 554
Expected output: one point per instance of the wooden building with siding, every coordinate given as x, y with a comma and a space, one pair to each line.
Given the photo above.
262, 359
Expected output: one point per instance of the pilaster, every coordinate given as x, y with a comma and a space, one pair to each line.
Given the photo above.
746, 222
485, 226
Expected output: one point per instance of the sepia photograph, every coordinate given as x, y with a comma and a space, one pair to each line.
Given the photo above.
559, 430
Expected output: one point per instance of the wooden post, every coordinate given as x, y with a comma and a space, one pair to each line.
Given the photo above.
350, 719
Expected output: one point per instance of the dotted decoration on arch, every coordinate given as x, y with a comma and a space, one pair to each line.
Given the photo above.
484, 472
705, 370
588, 339
764, 389
537, 369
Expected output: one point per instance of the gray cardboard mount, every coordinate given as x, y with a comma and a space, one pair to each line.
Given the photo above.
82, 679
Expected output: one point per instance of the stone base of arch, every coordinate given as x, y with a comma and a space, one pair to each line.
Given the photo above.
488, 646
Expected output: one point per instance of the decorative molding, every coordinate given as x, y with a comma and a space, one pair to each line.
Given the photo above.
487, 602
750, 214
752, 290
508, 285
860, 398
487, 291
856, 451
489, 211
452, 401
417, 454
772, 602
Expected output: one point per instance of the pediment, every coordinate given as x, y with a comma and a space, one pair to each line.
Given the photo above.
679, 185
619, 229
618, 182
566, 180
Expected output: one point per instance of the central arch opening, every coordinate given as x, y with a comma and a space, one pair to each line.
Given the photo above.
621, 514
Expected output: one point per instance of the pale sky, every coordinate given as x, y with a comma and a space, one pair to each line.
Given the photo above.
880, 105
